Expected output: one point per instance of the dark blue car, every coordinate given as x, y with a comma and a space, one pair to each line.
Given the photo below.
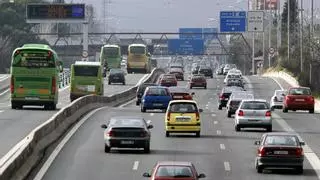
155, 97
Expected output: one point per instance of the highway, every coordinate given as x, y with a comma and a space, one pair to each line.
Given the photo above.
220, 152
16, 124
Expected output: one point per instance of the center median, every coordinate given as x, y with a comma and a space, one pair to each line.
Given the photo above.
21, 159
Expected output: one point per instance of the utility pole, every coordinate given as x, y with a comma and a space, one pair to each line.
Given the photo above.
278, 26
288, 28
270, 28
253, 44
301, 35
263, 33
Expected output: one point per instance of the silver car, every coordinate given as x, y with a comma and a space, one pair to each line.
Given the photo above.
253, 114
276, 101
235, 100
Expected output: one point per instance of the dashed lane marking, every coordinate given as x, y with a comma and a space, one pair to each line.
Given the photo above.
227, 166
151, 114
213, 115
222, 147
218, 132
215, 122
135, 165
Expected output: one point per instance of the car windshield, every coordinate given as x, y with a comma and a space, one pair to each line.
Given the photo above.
157, 92
183, 108
299, 91
174, 171
281, 140
113, 71
86, 71
254, 105
235, 76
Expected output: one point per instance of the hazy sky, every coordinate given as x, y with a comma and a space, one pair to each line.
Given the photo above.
166, 15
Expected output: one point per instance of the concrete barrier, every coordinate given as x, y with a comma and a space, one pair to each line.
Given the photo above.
22, 158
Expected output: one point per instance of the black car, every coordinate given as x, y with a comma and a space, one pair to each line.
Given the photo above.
127, 132
225, 95
279, 150
178, 72
116, 76
206, 71
141, 90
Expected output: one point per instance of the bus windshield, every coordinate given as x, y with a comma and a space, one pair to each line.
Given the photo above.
86, 71
111, 51
137, 50
34, 60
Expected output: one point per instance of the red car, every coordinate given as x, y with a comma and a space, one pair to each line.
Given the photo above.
170, 170
298, 98
168, 80
198, 81
180, 93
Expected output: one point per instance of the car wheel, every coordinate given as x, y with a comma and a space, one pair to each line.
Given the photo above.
106, 149
143, 109
272, 108
14, 105
311, 111
229, 114
299, 169
190, 87
269, 129
285, 110
220, 107
167, 134
205, 87
198, 134
237, 128
109, 82
137, 103
211, 76
259, 169
146, 149
123, 83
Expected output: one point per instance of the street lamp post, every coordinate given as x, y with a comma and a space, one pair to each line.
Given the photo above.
288, 28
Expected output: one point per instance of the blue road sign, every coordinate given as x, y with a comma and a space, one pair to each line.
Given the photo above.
209, 36
185, 46
190, 30
233, 21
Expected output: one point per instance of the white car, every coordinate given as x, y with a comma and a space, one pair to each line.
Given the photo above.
276, 101
231, 76
253, 114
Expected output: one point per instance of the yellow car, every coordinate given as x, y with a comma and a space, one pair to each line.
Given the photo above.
183, 116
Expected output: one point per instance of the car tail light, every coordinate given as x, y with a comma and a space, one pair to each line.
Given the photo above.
168, 116
16, 53
261, 152
110, 133
49, 54
187, 97
197, 116
12, 84
268, 113
222, 97
54, 86
310, 98
240, 113
299, 152
143, 133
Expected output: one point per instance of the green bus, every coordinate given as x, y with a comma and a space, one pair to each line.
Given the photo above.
86, 78
35, 72
110, 56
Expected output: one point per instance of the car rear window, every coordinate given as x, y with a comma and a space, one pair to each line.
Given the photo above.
299, 91
157, 92
281, 140
174, 172
254, 105
183, 107
235, 103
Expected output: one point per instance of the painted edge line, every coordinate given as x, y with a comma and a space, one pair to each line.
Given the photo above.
227, 166
135, 165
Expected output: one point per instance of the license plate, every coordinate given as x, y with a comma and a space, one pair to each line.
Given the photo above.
183, 119
157, 104
280, 152
32, 98
178, 96
127, 142
299, 99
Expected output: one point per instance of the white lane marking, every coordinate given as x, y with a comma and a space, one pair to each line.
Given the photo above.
4, 92
277, 83
248, 82
222, 147
215, 122
135, 165
218, 87
64, 88
57, 150
218, 132
308, 152
213, 115
2, 78
227, 166
127, 103
151, 114
207, 107
142, 79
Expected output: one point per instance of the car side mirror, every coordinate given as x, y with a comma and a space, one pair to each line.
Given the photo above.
257, 143
200, 110
150, 126
104, 126
201, 175
146, 175
302, 143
